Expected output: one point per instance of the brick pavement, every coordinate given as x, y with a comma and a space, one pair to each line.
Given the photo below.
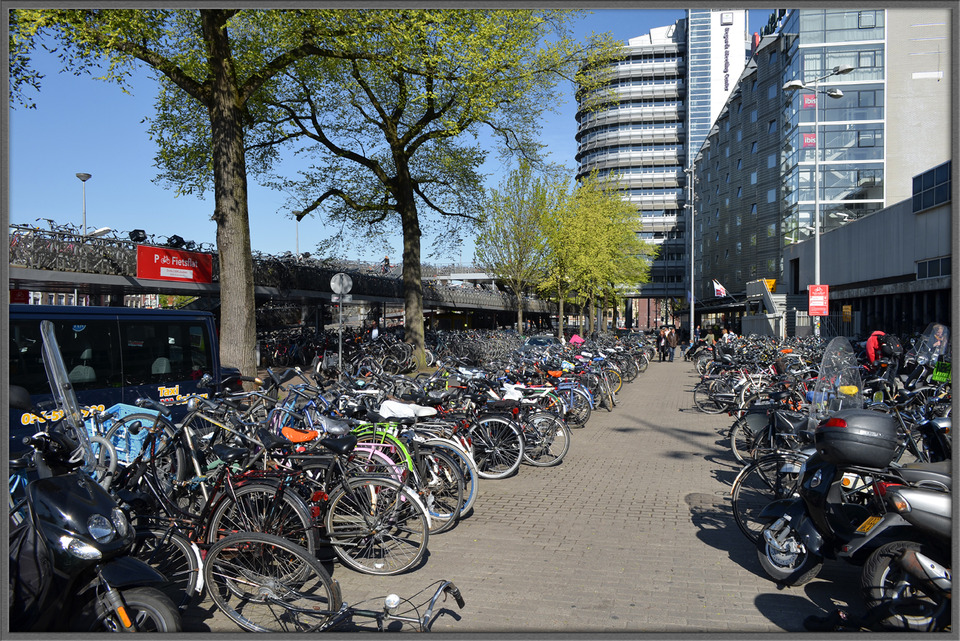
633, 532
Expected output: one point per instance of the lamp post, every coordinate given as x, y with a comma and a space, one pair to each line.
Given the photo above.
297, 215
795, 85
83, 179
690, 203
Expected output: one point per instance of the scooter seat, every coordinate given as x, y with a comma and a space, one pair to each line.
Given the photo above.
928, 474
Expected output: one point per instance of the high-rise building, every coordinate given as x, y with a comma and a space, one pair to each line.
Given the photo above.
834, 114
646, 126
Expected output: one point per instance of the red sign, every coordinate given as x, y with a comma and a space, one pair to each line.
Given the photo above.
818, 301
809, 140
809, 100
163, 263
19, 296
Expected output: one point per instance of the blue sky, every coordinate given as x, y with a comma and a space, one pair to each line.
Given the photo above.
84, 125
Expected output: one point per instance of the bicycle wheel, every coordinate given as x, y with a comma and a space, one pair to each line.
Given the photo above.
468, 469
704, 400
580, 407
265, 583
773, 477
257, 509
174, 556
615, 380
546, 440
442, 491
377, 526
497, 446
170, 455
741, 441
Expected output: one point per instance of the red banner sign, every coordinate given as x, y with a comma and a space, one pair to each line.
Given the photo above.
163, 263
809, 100
809, 140
19, 296
818, 300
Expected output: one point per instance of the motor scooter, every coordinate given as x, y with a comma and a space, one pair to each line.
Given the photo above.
70, 568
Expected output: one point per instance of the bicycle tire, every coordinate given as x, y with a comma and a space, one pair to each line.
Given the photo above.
497, 446
255, 510
772, 477
443, 488
614, 379
741, 441
175, 557
377, 525
173, 465
265, 583
704, 400
580, 407
546, 440
468, 468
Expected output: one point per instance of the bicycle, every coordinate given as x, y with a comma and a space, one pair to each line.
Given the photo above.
390, 610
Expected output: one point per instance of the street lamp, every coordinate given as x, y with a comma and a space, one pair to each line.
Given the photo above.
799, 85
83, 179
689, 172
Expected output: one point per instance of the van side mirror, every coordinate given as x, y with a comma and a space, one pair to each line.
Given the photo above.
205, 381
20, 399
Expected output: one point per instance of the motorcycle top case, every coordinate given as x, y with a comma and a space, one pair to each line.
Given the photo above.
857, 437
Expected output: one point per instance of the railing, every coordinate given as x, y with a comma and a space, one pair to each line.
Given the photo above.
70, 251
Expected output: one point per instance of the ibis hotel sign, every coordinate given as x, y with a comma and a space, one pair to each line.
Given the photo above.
163, 263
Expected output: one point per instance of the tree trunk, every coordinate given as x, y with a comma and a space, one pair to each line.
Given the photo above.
560, 316
412, 277
588, 303
238, 329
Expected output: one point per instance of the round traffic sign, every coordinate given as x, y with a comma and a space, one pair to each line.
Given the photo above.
341, 283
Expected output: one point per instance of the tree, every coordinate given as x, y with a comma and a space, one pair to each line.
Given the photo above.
511, 244
212, 63
391, 121
593, 244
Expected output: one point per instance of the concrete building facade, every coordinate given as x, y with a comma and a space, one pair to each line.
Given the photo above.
880, 117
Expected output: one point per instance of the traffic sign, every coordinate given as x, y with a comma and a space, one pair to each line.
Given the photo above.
341, 298
818, 302
341, 283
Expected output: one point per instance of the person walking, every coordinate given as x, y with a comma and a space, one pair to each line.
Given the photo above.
662, 344
671, 343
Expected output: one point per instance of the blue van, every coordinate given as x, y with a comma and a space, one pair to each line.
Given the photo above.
113, 355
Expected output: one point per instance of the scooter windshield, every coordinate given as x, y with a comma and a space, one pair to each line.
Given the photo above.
839, 384
62, 389
932, 344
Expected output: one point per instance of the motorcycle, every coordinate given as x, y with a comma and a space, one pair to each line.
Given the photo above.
926, 356
827, 517
908, 582
70, 568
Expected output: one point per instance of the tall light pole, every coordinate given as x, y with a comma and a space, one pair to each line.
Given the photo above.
297, 215
795, 85
689, 172
83, 179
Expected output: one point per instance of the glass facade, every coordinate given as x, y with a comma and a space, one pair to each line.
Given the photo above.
648, 128
849, 139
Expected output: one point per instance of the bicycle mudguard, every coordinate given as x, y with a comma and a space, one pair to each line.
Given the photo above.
781, 507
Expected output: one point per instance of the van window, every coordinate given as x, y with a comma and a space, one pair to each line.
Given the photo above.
164, 351
89, 349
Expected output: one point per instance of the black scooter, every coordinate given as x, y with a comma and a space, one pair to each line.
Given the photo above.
70, 568
837, 513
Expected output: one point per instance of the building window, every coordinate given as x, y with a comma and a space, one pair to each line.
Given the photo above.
739, 247
739, 135
739, 191
753, 147
773, 56
753, 178
868, 20
771, 195
753, 209
933, 268
753, 116
771, 161
932, 188
753, 240
739, 217
771, 229
739, 163
772, 92
771, 126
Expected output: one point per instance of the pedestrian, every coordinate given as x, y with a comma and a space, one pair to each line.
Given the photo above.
662, 344
374, 332
696, 334
385, 266
671, 343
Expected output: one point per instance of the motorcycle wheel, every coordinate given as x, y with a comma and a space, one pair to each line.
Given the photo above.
149, 608
792, 567
907, 606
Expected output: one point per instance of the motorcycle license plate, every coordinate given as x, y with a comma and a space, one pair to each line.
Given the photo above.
867, 525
